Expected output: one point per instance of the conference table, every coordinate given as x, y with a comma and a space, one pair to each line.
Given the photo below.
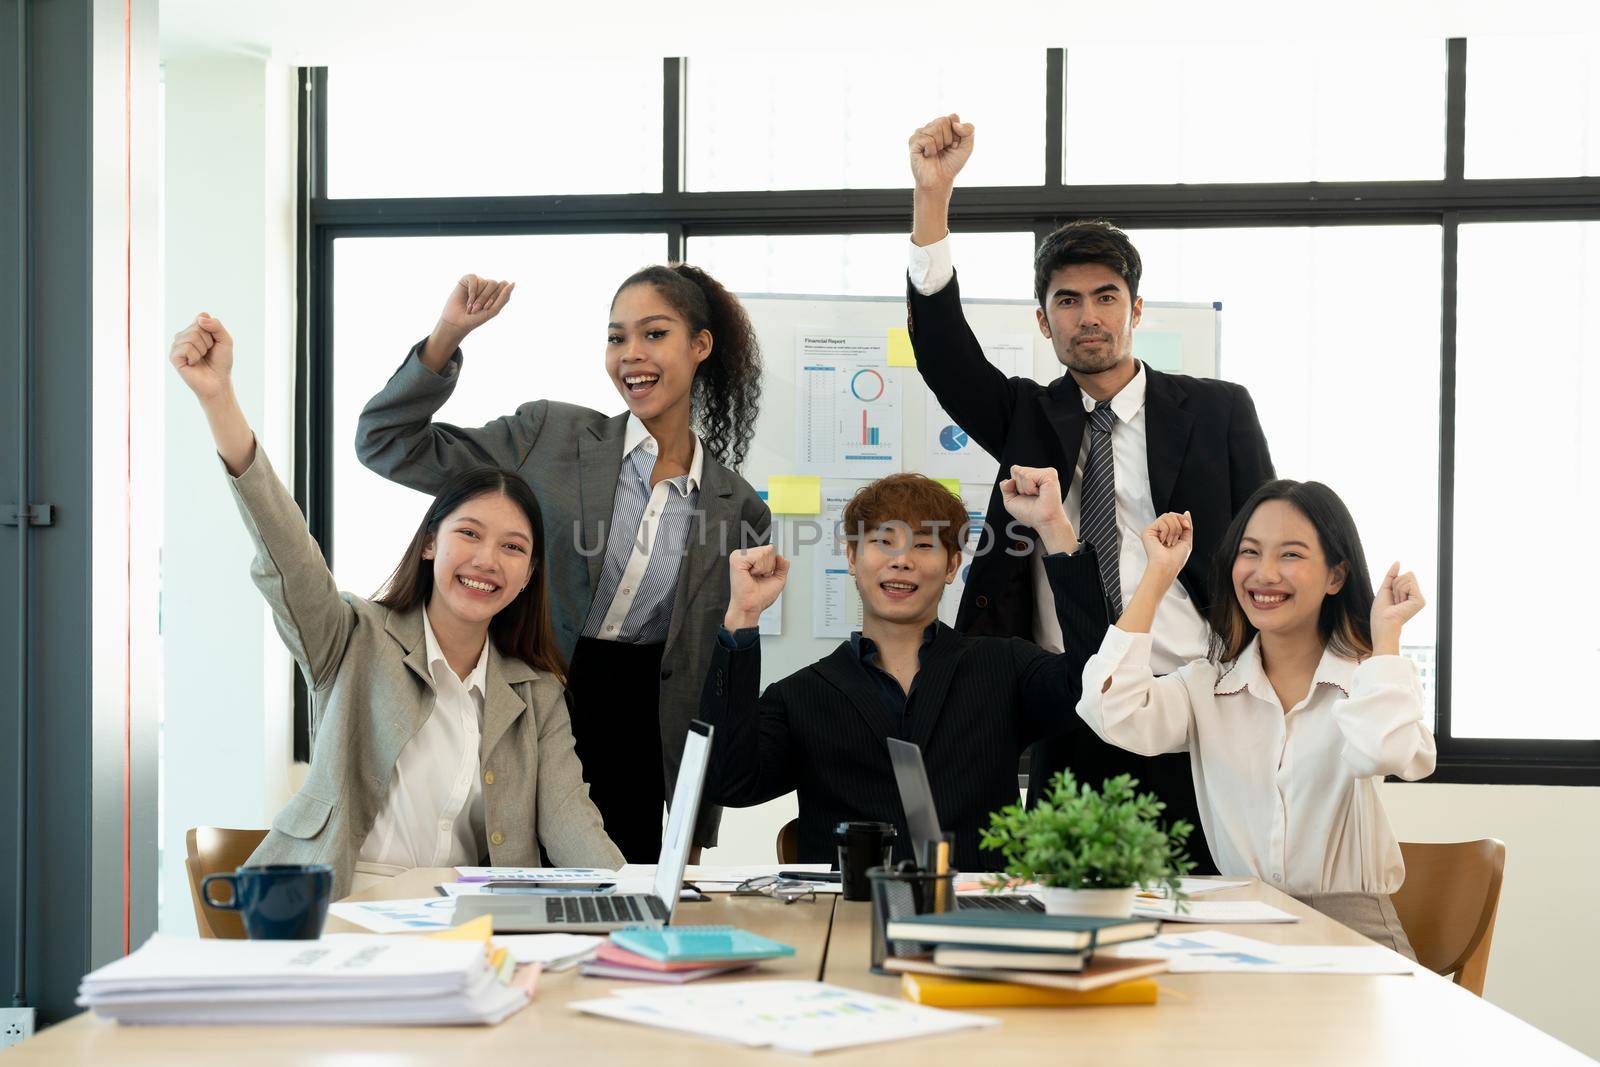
1238, 1019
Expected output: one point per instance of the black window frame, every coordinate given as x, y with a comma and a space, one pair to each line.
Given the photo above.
1447, 202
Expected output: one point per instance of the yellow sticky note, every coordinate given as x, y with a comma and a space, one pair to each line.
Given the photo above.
478, 929
901, 353
794, 494
952, 484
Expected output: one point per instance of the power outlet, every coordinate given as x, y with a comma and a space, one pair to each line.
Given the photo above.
16, 1026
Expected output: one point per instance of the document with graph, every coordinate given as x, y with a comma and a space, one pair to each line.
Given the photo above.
848, 407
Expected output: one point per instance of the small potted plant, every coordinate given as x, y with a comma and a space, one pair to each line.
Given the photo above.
1090, 850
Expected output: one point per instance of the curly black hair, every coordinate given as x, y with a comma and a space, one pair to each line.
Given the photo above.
726, 395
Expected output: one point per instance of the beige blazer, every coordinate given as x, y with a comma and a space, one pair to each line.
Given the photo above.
367, 669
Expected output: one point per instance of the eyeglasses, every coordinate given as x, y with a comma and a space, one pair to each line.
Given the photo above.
769, 885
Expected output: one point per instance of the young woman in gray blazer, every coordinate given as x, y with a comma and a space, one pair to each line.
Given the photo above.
441, 735
644, 508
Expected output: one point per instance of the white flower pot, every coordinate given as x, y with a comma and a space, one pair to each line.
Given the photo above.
1100, 903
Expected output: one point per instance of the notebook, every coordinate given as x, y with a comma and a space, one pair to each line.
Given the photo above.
1013, 959
940, 992
1063, 933
699, 944
1101, 972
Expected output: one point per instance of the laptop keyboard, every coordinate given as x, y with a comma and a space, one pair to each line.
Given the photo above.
601, 909
1013, 902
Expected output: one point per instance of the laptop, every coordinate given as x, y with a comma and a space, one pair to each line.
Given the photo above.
649, 905
916, 796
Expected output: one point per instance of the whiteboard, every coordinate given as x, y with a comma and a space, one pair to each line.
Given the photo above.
1177, 337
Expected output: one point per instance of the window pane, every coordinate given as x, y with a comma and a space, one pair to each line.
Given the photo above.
548, 343
1533, 106
1513, 577
991, 265
1191, 112
575, 126
1335, 332
825, 120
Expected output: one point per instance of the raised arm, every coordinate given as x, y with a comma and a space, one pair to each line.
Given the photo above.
750, 761
1382, 722
396, 436
949, 358
1123, 701
289, 568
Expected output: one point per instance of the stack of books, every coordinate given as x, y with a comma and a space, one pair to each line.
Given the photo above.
348, 979
678, 954
982, 958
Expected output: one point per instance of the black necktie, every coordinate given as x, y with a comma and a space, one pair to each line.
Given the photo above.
1098, 515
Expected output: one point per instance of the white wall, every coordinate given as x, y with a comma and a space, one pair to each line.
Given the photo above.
229, 216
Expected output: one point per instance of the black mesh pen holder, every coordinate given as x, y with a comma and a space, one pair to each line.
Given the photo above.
900, 895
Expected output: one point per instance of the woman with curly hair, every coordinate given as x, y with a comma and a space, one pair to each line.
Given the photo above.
643, 508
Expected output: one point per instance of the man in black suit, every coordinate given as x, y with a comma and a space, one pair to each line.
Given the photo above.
972, 704
1138, 443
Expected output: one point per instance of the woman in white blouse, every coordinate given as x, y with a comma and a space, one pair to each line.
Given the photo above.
1302, 705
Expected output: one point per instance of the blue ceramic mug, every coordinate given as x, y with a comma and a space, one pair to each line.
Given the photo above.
279, 901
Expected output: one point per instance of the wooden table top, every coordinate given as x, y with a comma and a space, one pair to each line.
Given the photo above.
1279, 1020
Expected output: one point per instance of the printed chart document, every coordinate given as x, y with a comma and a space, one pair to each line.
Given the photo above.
397, 916
1212, 951
536, 874
950, 452
788, 1016
847, 417
835, 602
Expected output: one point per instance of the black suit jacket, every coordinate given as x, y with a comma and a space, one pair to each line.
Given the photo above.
978, 702
1207, 454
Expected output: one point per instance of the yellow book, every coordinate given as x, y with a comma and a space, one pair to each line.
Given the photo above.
940, 992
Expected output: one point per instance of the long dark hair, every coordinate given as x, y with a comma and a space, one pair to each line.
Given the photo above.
726, 394
1345, 623
522, 628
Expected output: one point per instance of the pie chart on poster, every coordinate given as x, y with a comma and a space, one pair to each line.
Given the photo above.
953, 439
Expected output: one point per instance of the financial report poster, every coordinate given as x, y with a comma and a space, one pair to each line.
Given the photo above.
847, 405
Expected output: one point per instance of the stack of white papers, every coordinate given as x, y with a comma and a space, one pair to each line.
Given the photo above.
355, 979
788, 1016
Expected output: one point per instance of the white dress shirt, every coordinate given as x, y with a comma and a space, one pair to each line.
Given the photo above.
633, 601
433, 815
1287, 797
1180, 632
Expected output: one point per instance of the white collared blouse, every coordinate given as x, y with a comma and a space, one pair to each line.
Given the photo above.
1290, 797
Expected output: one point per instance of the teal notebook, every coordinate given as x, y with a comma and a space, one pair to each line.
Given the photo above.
1020, 930
696, 944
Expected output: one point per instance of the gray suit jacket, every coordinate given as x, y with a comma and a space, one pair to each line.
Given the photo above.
371, 691
570, 457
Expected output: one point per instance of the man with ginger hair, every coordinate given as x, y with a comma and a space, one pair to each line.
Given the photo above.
972, 704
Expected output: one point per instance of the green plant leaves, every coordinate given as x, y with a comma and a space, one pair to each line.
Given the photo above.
1079, 838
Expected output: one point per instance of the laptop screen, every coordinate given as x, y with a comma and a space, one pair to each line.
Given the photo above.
681, 815
916, 796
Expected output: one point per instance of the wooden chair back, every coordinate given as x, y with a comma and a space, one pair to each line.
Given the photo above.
1448, 905
214, 850
789, 842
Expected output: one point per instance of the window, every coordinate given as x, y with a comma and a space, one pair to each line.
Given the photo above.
841, 120
548, 342
1189, 112
1527, 478
1533, 107
992, 265
1335, 332
1332, 299
528, 128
